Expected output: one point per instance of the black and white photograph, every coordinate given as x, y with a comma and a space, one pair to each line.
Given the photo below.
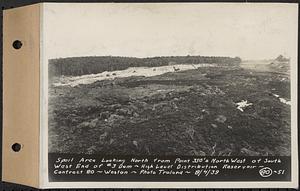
171, 79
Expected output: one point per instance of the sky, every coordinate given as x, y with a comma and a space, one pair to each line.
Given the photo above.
247, 30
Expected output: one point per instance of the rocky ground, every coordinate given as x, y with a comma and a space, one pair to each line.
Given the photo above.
191, 112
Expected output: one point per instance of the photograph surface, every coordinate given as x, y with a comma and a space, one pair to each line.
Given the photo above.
170, 91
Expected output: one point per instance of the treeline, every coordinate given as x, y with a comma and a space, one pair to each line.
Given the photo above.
74, 66
281, 58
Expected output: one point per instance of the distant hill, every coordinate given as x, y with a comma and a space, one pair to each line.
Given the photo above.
74, 66
281, 63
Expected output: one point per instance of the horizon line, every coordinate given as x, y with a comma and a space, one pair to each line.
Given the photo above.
87, 56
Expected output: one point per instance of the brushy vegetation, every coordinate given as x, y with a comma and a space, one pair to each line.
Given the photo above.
74, 66
191, 112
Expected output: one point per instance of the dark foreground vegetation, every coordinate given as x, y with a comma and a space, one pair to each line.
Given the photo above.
191, 112
91, 65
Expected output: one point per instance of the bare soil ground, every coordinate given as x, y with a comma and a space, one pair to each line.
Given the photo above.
191, 112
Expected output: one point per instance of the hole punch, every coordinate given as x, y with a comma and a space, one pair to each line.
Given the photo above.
16, 147
17, 44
